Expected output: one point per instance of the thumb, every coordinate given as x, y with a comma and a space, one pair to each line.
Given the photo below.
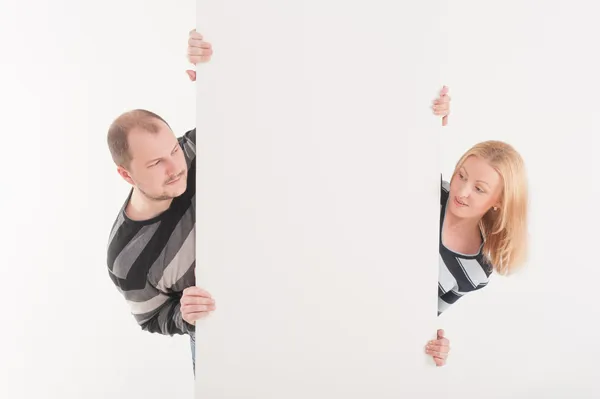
440, 334
444, 91
191, 75
445, 120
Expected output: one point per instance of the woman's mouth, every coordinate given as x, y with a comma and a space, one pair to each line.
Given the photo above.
458, 203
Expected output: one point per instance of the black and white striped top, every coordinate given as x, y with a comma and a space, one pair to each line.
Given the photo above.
459, 273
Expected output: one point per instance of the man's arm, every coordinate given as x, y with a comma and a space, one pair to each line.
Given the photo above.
154, 311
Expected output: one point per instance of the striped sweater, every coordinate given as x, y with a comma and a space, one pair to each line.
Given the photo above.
459, 273
151, 262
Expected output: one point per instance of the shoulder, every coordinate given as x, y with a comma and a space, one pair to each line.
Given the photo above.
445, 190
188, 139
188, 144
486, 264
445, 186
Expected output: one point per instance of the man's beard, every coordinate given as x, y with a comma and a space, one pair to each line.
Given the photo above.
163, 197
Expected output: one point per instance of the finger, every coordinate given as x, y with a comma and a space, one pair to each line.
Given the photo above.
437, 346
439, 362
445, 120
437, 354
195, 34
191, 75
196, 300
189, 309
433, 353
204, 54
199, 43
195, 41
196, 291
199, 51
444, 349
193, 317
444, 91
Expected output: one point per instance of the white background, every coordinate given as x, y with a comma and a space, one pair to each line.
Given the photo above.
525, 72
68, 69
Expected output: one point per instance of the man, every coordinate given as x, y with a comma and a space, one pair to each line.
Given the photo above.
152, 243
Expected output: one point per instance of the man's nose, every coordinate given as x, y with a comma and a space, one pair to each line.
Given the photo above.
170, 168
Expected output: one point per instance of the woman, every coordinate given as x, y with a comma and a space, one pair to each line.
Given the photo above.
483, 213
483, 221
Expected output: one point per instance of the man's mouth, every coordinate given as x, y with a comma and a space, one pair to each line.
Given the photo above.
176, 179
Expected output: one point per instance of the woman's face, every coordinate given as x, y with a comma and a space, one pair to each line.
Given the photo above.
474, 189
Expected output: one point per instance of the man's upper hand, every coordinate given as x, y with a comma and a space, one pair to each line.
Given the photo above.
198, 51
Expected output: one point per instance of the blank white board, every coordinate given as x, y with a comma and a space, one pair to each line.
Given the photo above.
318, 198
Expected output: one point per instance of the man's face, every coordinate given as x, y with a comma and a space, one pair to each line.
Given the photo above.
158, 168
474, 189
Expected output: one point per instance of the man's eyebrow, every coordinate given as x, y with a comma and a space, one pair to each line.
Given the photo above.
156, 159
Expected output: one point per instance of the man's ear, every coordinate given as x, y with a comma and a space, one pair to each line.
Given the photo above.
125, 175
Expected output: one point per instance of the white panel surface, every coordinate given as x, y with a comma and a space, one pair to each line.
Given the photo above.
318, 198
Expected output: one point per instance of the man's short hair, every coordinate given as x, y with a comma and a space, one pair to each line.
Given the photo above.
125, 123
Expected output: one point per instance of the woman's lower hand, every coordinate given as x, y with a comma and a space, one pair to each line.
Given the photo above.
438, 348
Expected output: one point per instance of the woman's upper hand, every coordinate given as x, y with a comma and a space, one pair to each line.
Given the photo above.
438, 348
198, 51
441, 105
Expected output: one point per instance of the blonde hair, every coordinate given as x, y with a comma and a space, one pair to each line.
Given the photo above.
504, 230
